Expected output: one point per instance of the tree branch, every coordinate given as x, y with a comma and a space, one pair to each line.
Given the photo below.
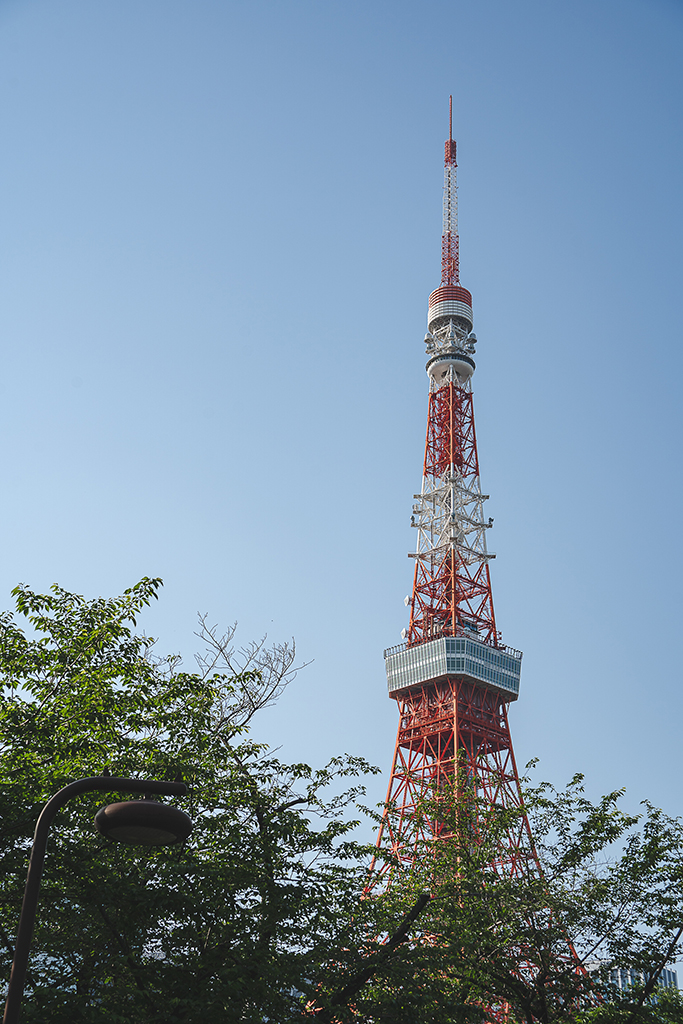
342, 995
651, 983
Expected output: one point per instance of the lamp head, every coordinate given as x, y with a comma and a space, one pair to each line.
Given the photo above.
143, 822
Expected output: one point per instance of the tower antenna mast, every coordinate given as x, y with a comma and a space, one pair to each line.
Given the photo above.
450, 244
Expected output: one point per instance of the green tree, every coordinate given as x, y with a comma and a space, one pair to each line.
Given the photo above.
233, 925
263, 915
537, 938
665, 1008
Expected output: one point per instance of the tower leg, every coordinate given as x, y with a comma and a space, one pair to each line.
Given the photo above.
448, 727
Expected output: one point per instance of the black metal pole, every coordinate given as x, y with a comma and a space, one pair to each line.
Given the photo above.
106, 783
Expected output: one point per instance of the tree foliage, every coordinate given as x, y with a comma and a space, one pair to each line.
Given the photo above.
232, 925
263, 915
537, 938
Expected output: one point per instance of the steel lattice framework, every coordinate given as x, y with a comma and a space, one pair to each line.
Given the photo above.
452, 584
453, 678
451, 720
446, 726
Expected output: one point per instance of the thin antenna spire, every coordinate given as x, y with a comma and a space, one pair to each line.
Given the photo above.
450, 245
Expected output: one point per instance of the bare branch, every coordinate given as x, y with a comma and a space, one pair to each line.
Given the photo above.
259, 674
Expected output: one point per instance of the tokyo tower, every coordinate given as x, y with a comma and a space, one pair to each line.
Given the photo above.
452, 677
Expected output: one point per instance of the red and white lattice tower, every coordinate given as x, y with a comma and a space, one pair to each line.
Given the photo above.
452, 677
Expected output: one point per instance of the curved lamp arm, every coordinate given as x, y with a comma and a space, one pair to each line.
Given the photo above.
105, 783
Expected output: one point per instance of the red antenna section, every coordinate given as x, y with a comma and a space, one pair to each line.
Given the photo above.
450, 246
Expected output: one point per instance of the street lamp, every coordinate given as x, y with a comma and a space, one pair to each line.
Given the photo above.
143, 822
134, 821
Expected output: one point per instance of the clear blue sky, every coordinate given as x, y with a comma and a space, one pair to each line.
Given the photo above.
219, 225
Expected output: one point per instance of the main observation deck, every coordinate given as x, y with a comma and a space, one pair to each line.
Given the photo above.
498, 668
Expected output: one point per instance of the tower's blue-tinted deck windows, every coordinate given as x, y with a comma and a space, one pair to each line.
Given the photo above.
497, 667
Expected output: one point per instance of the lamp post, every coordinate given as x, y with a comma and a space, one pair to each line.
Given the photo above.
136, 821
